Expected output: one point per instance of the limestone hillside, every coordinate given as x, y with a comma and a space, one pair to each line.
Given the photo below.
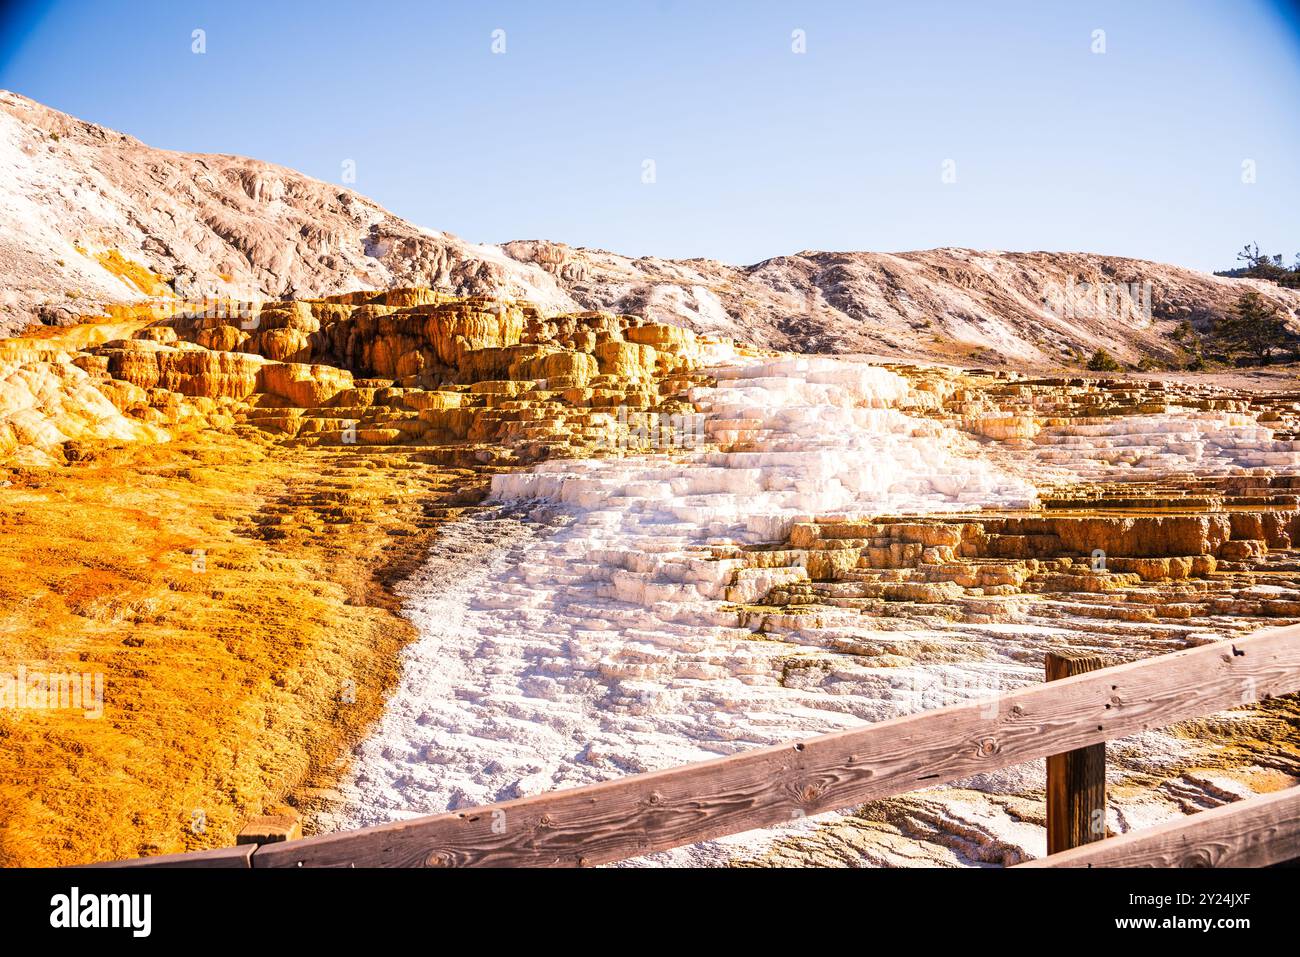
90, 216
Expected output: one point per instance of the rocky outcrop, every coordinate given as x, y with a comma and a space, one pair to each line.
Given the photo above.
470, 380
46, 402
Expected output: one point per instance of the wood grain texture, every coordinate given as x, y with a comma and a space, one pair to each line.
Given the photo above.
222, 857
1076, 780
774, 785
1256, 832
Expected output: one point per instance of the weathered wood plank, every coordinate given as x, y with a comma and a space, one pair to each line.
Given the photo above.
1076, 780
222, 857
774, 785
269, 828
1256, 832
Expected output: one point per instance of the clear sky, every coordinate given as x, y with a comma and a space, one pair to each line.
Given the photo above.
757, 150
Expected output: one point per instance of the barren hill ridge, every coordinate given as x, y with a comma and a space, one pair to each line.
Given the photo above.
89, 215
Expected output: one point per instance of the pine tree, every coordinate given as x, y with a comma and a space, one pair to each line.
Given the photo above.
1102, 361
1254, 326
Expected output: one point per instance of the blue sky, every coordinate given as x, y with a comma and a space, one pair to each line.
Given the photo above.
758, 151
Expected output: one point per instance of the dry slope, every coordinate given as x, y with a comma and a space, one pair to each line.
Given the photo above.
89, 215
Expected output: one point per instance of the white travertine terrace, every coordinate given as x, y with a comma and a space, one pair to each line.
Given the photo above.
603, 637
814, 437
1207, 443
603, 645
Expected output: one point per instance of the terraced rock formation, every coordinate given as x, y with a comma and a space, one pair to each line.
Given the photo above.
614, 545
435, 371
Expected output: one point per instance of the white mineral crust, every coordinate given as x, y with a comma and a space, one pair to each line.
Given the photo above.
588, 630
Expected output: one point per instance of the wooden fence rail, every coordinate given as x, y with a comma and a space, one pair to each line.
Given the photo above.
776, 785
1256, 832
239, 857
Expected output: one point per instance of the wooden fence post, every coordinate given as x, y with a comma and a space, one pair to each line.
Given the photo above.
270, 829
1076, 780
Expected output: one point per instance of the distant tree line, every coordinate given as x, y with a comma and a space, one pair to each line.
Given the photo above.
1263, 266
1252, 332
